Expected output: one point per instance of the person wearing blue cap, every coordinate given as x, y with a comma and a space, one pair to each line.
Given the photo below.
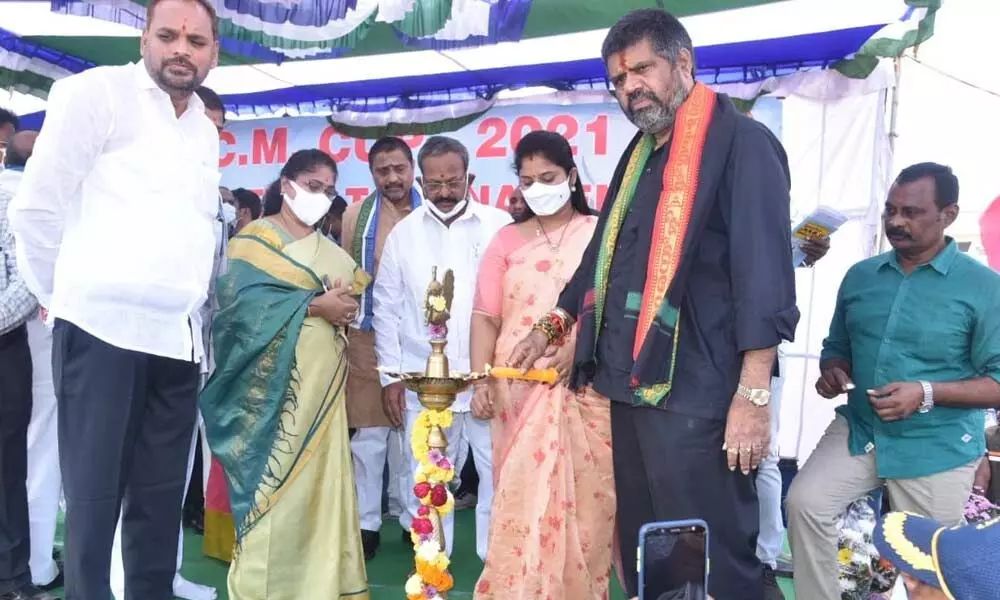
942, 563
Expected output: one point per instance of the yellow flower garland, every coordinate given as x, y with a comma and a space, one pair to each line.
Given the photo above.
432, 577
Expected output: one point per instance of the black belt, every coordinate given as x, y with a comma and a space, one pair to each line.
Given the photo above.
15, 336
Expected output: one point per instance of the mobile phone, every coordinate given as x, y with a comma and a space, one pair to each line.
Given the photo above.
673, 560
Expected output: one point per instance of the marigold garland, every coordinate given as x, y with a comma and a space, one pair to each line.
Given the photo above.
434, 472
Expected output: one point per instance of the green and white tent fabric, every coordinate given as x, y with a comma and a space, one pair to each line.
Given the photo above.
265, 30
25, 73
742, 42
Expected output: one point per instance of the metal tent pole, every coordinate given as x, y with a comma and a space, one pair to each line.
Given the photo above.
893, 134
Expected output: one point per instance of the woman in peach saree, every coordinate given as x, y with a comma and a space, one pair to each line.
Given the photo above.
552, 523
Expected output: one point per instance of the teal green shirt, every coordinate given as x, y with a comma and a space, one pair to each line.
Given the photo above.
939, 323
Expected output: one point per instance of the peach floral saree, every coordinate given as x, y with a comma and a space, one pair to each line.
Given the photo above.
553, 516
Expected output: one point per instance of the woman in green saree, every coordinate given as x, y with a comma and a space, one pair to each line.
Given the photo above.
274, 409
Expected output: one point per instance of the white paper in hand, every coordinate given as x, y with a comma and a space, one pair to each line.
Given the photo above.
821, 223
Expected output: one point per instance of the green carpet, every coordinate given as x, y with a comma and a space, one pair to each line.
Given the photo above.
387, 572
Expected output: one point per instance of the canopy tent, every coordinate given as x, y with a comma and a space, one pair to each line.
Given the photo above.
270, 31
833, 125
744, 44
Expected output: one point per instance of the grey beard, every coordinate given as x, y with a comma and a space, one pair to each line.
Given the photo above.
659, 117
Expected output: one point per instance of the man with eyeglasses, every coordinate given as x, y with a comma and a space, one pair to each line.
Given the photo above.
448, 231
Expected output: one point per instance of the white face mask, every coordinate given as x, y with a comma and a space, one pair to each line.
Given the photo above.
546, 199
308, 206
459, 207
444, 216
228, 213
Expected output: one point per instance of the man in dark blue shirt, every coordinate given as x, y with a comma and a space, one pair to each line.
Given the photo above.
680, 300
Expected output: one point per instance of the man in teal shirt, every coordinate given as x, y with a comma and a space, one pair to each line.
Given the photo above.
915, 344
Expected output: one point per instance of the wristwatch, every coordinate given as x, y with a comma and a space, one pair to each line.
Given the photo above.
756, 397
928, 402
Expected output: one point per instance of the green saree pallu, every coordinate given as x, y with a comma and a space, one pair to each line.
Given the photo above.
275, 418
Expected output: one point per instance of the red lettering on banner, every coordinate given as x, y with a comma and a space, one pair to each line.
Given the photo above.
269, 151
566, 126
490, 147
326, 144
602, 192
413, 141
482, 195
259, 192
356, 194
361, 150
228, 139
522, 126
599, 128
503, 197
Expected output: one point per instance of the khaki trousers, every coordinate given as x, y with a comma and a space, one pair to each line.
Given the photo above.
831, 480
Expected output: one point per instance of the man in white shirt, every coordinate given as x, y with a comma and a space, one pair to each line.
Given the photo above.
21, 380
448, 232
366, 226
199, 453
114, 226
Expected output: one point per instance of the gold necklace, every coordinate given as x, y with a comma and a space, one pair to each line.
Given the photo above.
540, 229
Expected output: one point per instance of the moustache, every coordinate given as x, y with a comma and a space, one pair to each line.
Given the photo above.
641, 94
894, 232
179, 62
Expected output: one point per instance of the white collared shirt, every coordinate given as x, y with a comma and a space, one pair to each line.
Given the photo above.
114, 218
419, 242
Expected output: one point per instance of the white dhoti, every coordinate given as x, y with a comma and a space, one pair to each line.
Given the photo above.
397, 474
370, 447
464, 431
44, 476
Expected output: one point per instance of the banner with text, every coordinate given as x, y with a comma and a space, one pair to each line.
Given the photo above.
253, 152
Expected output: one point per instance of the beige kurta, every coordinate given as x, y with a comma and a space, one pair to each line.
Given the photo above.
364, 391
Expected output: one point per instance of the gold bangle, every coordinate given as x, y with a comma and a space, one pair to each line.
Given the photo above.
567, 322
554, 326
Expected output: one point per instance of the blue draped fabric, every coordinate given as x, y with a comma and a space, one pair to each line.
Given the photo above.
137, 19
12, 42
507, 19
314, 13
723, 63
506, 22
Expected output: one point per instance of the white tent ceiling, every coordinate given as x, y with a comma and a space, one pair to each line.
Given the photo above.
793, 17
